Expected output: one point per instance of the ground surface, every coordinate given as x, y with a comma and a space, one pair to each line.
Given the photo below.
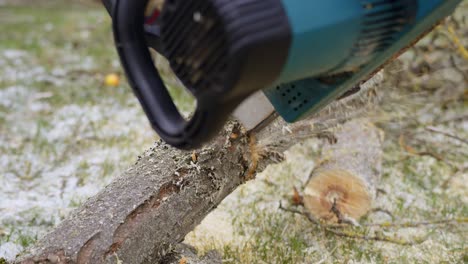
64, 134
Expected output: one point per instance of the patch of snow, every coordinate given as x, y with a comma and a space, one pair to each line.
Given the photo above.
59, 72
26, 74
464, 125
458, 187
14, 97
9, 251
87, 63
215, 229
49, 27
14, 54
36, 107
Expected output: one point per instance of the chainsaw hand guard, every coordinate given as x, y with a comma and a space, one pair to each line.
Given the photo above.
149, 88
220, 60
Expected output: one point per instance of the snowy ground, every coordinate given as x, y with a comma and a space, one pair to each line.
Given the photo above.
63, 135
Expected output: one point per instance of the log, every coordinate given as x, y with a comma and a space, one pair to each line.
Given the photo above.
186, 254
342, 186
144, 214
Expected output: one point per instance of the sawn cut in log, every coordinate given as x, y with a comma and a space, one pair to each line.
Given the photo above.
143, 214
343, 184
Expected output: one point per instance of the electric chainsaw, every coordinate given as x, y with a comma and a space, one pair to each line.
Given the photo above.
258, 59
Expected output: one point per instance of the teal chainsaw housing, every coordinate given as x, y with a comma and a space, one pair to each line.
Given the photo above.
334, 49
301, 54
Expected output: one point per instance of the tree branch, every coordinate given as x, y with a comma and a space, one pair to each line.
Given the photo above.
143, 214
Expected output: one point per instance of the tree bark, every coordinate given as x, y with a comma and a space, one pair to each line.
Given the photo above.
343, 184
141, 215
145, 213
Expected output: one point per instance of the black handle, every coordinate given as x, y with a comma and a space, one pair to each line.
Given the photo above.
129, 34
109, 5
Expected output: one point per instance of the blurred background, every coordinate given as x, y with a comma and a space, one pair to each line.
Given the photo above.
69, 123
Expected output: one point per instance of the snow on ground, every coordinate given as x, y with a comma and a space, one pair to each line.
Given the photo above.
51, 158
63, 135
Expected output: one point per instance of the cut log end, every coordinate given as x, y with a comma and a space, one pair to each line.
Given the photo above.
334, 192
342, 188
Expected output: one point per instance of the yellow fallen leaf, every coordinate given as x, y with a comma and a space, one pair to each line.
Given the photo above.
112, 80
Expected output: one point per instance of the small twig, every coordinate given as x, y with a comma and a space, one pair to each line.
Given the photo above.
380, 191
342, 219
408, 224
419, 224
432, 155
347, 233
457, 42
339, 229
413, 151
337, 212
380, 237
306, 214
435, 130
381, 210
457, 118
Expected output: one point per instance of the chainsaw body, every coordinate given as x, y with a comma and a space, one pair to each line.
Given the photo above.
301, 54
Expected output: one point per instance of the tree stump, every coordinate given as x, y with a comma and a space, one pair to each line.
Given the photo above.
343, 184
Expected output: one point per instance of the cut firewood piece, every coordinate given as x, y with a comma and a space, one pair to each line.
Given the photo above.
343, 184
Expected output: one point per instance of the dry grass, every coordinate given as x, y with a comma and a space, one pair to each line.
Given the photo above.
63, 135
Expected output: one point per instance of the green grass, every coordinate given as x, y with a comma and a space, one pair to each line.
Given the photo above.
76, 40
64, 37
87, 133
413, 184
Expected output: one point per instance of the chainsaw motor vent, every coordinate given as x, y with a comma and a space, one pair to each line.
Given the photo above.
194, 40
382, 24
292, 96
224, 47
